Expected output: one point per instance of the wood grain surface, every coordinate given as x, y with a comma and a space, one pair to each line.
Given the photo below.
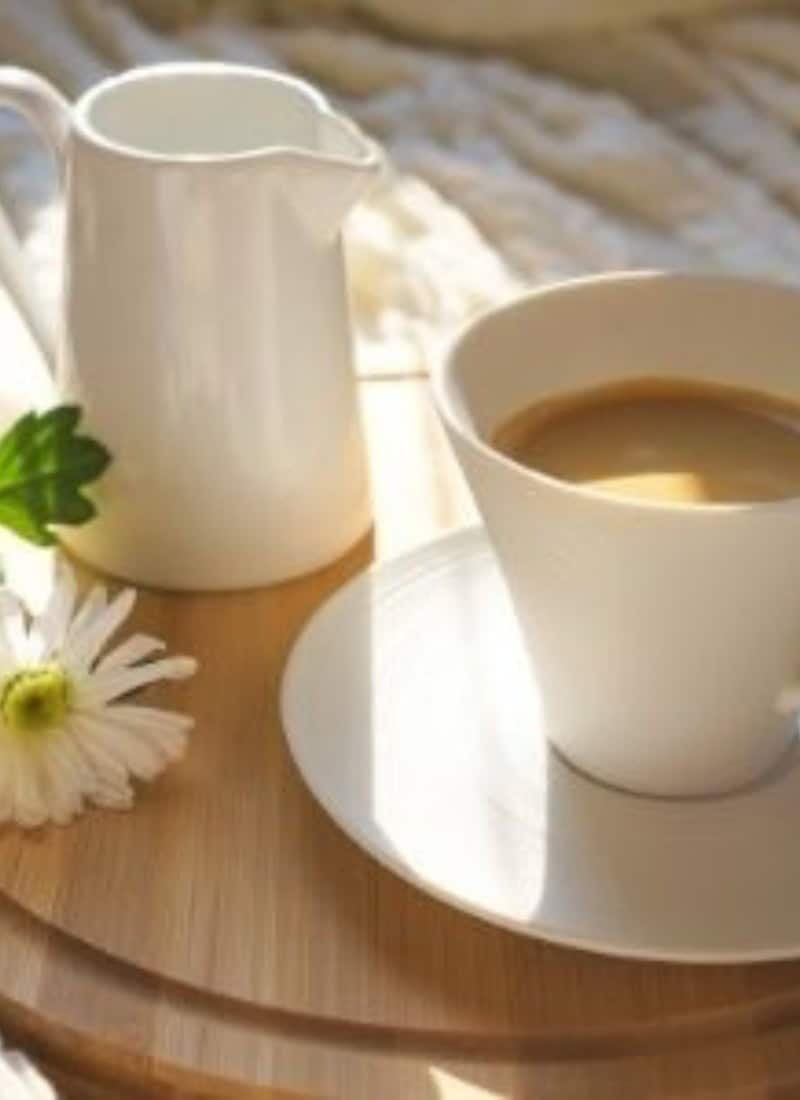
226, 940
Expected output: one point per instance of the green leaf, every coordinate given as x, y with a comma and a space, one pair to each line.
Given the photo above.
44, 465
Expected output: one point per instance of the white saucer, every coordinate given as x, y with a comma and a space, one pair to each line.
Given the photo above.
411, 713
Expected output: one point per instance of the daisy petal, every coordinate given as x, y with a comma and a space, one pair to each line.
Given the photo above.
9, 601
127, 749
133, 649
14, 640
107, 779
9, 658
108, 784
112, 798
153, 717
90, 735
49, 630
103, 686
63, 798
73, 764
166, 731
29, 805
93, 604
84, 647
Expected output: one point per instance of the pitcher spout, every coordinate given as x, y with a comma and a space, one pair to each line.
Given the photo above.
323, 184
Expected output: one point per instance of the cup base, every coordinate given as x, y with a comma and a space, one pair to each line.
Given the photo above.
759, 777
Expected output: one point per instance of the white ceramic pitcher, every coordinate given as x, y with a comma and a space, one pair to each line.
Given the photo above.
206, 329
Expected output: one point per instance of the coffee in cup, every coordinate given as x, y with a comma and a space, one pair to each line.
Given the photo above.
663, 439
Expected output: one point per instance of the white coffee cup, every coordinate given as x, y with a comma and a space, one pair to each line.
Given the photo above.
665, 638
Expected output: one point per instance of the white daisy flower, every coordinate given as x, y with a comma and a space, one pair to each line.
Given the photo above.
65, 738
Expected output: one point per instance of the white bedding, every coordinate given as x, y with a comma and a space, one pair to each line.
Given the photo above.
663, 144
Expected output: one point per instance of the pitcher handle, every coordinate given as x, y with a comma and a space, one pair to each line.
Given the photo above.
49, 114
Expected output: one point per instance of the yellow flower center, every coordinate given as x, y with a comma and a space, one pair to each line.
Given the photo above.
35, 700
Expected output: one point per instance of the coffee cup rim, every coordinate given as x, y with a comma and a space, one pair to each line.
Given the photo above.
443, 390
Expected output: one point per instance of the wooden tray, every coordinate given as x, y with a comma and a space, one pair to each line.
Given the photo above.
225, 939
